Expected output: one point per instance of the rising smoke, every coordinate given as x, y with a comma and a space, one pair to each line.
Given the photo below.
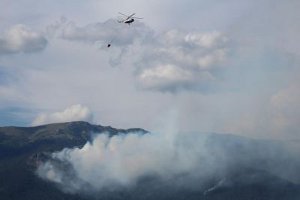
123, 160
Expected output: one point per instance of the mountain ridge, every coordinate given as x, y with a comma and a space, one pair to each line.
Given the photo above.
52, 137
22, 148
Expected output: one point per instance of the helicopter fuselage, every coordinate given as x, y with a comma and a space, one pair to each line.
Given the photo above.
129, 21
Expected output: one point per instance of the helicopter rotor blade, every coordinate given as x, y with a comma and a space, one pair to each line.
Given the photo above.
130, 16
123, 14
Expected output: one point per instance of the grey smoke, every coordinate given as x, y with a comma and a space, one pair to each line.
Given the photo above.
121, 161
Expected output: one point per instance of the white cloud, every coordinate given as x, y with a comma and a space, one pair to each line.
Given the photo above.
169, 72
170, 77
207, 40
73, 113
171, 61
180, 60
110, 31
209, 60
20, 38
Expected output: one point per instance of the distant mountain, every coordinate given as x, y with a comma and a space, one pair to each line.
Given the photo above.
21, 148
52, 137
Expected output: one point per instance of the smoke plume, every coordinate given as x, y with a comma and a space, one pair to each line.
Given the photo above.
124, 160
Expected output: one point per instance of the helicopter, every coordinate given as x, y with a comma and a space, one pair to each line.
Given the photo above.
129, 18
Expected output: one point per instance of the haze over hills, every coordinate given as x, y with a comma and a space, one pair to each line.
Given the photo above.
202, 166
213, 66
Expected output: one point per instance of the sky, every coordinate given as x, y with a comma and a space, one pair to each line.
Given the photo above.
199, 65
